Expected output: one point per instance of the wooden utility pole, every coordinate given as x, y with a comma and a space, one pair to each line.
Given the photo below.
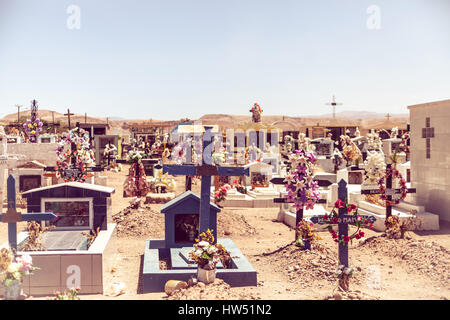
18, 114
68, 114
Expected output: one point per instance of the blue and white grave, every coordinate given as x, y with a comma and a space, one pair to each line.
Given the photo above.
186, 217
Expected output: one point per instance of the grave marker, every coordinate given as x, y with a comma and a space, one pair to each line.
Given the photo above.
12, 216
299, 213
389, 192
206, 171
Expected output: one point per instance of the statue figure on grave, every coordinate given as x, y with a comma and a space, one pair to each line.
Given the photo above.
394, 133
256, 112
304, 143
357, 132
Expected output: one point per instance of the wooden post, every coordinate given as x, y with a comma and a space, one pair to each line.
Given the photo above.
12, 226
342, 227
298, 218
205, 192
188, 183
388, 187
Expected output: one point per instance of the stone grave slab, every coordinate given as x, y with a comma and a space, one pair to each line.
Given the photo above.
65, 240
242, 274
180, 259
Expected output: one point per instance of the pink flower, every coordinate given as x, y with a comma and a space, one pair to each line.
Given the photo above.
309, 205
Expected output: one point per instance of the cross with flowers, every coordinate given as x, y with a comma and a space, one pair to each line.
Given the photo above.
11, 216
387, 192
303, 190
206, 170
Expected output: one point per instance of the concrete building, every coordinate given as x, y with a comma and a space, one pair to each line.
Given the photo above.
430, 156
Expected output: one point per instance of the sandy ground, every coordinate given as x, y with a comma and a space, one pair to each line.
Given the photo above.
412, 268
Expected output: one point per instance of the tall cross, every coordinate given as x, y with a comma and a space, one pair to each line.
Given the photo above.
206, 171
344, 219
333, 103
12, 216
389, 192
68, 114
388, 116
428, 133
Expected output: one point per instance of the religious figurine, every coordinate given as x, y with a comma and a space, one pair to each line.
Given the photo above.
256, 112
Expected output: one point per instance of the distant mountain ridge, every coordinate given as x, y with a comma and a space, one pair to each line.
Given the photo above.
361, 115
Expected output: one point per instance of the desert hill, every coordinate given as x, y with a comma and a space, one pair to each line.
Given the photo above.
122, 126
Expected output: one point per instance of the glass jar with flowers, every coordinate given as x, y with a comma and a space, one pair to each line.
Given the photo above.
13, 268
207, 254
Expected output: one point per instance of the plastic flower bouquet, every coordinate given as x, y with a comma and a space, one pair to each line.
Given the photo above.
33, 128
14, 267
206, 254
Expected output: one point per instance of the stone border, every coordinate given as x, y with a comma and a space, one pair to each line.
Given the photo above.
64, 269
154, 278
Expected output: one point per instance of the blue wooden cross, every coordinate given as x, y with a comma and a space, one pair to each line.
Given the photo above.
206, 171
12, 216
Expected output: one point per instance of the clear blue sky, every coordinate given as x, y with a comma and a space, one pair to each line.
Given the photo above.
185, 58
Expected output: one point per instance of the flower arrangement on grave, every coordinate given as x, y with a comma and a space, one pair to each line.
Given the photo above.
33, 129
221, 193
207, 254
289, 144
157, 144
394, 133
240, 188
91, 236
374, 141
305, 235
71, 294
34, 241
299, 182
396, 229
78, 157
218, 157
111, 150
13, 268
350, 151
343, 274
253, 153
395, 174
162, 180
333, 218
136, 183
304, 143
135, 156
374, 166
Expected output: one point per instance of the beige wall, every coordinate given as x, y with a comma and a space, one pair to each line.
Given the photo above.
431, 176
45, 153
